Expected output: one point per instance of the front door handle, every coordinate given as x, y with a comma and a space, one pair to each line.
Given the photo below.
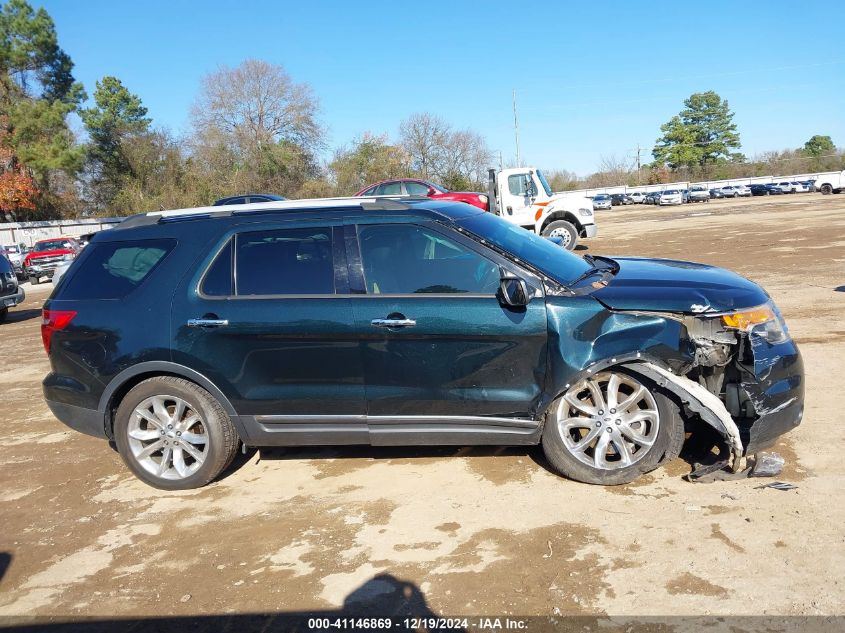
208, 322
393, 322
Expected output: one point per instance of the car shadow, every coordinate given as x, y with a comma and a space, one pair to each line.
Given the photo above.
16, 316
5, 561
839, 289
696, 450
382, 596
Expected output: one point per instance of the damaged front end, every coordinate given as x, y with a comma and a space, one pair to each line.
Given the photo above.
745, 377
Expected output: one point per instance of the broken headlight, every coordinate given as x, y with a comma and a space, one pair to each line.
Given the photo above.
764, 321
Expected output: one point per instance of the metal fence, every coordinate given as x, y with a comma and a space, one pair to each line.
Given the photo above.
30, 232
710, 184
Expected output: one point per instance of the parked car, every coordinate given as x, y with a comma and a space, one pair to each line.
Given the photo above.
671, 196
735, 191
638, 197
765, 190
601, 201
438, 299
685, 195
810, 184
45, 255
698, 193
15, 254
426, 188
716, 193
653, 197
620, 199
11, 294
248, 198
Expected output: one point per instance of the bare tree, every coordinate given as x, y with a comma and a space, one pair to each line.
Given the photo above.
424, 137
467, 157
256, 128
257, 103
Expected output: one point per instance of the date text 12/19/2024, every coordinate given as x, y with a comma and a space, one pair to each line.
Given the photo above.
421, 623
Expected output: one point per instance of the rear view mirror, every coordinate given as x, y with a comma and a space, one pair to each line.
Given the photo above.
513, 291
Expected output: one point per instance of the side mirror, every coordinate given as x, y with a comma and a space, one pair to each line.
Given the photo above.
513, 291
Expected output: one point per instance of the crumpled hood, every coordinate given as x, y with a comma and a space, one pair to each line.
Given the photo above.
669, 285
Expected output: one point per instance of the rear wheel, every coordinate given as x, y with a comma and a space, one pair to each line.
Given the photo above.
564, 230
174, 435
610, 428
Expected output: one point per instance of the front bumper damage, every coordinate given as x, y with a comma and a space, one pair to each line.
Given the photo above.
751, 392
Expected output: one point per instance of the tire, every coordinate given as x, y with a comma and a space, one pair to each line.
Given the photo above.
564, 230
4, 312
215, 438
567, 429
33, 281
826, 189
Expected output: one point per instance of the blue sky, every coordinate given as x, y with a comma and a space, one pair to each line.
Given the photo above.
593, 79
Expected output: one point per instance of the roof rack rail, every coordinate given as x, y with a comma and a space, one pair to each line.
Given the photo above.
370, 203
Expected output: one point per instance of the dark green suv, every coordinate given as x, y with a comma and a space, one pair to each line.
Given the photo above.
181, 335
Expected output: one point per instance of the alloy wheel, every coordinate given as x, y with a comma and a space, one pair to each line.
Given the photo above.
608, 421
167, 437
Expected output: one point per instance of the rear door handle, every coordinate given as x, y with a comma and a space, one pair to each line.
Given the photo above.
208, 322
393, 322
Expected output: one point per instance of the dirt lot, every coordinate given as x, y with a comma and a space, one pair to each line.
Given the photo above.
471, 531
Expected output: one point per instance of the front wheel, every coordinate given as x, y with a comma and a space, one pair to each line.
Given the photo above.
610, 428
826, 190
33, 281
564, 230
173, 434
4, 312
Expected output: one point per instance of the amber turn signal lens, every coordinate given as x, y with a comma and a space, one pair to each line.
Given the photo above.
744, 320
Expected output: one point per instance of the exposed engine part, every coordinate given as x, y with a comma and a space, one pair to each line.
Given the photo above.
707, 405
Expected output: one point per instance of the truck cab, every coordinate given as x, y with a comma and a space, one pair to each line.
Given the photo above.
522, 195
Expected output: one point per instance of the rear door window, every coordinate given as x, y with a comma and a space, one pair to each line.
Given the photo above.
284, 262
112, 270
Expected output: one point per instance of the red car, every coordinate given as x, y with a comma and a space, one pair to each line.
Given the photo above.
415, 187
46, 255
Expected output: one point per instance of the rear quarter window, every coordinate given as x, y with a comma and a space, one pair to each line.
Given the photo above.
112, 270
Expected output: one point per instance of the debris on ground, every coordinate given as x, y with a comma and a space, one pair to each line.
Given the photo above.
778, 485
761, 465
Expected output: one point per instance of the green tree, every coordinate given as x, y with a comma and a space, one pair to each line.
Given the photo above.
818, 145
368, 160
37, 92
117, 116
702, 134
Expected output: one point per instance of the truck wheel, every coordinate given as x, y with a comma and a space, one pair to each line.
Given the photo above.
564, 230
4, 312
173, 434
612, 427
826, 189
33, 281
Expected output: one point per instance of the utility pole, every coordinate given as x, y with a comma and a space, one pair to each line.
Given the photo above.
638, 163
516, 130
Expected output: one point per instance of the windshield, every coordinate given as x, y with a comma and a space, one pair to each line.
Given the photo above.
543, 254
671, 192
601, 196
52, 245
11, 249
545, 183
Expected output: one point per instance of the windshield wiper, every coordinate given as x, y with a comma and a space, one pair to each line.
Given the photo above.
610, 267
